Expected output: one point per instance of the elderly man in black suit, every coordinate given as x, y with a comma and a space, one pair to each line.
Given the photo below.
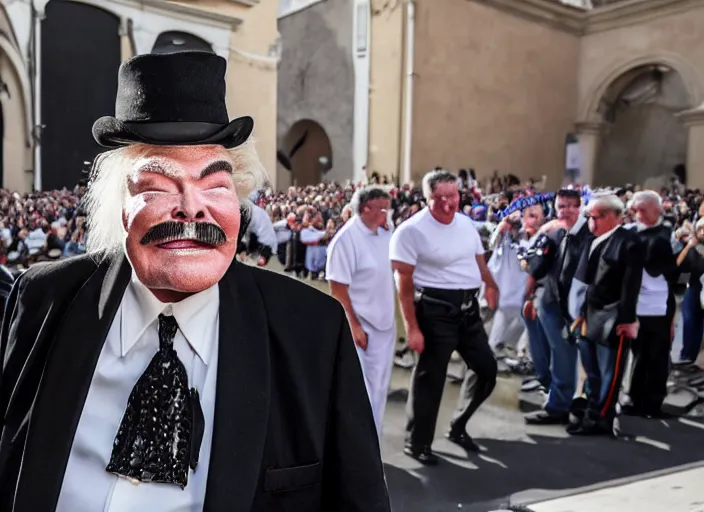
156, 373
604, 299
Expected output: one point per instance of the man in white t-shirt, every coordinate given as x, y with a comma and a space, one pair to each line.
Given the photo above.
359, 272
439, 262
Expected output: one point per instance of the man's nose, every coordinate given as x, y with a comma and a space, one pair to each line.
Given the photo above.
189, 209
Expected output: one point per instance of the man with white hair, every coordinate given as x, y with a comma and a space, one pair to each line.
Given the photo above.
439, 262
656, 308
359, 272
159, 360
604, 302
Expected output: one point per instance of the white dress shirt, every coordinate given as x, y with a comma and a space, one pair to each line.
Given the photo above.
130, 345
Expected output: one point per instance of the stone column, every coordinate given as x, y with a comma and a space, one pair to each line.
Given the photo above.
126, 46
589, 135
693, 120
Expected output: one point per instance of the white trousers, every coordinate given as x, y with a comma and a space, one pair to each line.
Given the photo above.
507, 327
377, 362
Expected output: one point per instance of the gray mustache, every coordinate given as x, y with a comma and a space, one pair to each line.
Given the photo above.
203, 232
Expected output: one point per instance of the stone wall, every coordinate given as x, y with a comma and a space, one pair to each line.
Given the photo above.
316, 80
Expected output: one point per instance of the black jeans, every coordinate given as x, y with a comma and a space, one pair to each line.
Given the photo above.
651, 353
445, 330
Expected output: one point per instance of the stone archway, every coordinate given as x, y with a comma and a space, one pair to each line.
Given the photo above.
643, 140
624, 98
306, 153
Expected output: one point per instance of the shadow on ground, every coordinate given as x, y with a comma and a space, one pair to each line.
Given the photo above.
539, 463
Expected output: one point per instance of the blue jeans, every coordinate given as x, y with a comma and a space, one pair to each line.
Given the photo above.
692, 324
563, 355
604, 367
539, 350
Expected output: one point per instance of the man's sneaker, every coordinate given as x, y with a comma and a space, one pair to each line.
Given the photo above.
405, 359
530, 385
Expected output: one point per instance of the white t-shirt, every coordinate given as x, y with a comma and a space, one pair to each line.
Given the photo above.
359, 258
652, 299
444, 255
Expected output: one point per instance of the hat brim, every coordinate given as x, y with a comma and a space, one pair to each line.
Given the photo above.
110, 132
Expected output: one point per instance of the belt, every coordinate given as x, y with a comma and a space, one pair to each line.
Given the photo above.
462, 299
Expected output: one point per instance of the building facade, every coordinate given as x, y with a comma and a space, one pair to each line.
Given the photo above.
498, 85
59, 64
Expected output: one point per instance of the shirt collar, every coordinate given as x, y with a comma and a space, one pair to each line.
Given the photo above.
602, 238
196, 316
363, 227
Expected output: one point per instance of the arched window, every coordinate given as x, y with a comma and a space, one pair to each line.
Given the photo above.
169, 42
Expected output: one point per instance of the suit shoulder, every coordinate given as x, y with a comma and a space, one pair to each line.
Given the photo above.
275, 286
55, 272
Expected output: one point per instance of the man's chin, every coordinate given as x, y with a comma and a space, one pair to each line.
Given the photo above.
183, 272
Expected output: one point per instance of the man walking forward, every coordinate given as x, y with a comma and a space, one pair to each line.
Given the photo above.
360, 277
439, 260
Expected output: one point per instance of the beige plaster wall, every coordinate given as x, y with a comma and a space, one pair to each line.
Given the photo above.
251, 84
17, 153
386, 87
493, 91
17, 157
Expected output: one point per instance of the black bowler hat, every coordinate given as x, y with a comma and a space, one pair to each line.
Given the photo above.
172, 99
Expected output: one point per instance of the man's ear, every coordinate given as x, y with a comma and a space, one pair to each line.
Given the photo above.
124, 220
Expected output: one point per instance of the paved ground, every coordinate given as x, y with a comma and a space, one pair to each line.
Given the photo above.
531, 465
528, 464
675, 492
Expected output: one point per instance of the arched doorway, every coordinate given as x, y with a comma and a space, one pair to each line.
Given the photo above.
174, 41
643, 139
306, 153
80, 58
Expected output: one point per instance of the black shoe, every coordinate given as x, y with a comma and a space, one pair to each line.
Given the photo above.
574, 427
631, 410
547, 418
592, 428
422, 454
463, 440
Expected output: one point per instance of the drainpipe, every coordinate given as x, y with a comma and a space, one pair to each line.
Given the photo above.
39, 15
408, 107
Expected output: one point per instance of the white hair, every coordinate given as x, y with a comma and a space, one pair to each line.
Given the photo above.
649, 197
356, 197
107, 191
432, 178
606, 202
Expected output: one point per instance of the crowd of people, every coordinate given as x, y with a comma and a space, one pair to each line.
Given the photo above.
625, 287
46, 225
299, 224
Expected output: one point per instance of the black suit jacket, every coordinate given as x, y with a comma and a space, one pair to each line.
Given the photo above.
617, 276
293, 426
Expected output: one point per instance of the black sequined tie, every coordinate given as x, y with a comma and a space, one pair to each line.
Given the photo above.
162, 429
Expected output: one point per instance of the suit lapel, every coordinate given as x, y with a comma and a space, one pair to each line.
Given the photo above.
68, 373
242, 395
